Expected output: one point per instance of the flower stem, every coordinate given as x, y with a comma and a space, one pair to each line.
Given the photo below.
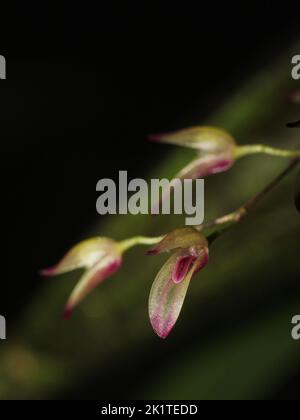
223, 223
138, 240
261, 148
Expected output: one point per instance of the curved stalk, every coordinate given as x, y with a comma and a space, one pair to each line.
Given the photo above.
227, 221
138, 240
268, 150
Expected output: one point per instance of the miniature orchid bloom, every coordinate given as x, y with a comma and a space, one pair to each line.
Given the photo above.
190, 255
101, 258
216, 153
216, 149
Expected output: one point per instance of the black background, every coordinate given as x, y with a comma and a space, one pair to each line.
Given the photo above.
84, 87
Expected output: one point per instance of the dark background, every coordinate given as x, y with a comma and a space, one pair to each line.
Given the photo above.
84, 87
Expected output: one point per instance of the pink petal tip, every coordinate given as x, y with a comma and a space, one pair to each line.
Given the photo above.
162, 331
67, 312
156, 137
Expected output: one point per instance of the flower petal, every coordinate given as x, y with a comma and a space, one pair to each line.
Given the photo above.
206, 165
85, 254
182, 267
105, 268
166, 298
203, 138
179, 238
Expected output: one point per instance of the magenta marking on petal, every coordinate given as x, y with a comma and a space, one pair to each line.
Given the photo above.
182, 268
105, 273
111, 268
90, 281
161, 326
164, 325
214, 168
205, 166
161, 329
221, 166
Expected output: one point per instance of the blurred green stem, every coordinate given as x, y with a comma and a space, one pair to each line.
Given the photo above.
261, 148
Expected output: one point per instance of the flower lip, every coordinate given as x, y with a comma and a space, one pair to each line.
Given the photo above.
193, 259
182, 267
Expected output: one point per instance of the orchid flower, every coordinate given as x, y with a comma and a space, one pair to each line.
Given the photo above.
101, 258
217, 150
215, 147
190, 255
